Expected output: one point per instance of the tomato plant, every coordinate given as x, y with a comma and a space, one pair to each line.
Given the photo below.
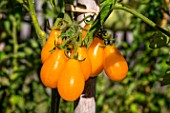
146, 53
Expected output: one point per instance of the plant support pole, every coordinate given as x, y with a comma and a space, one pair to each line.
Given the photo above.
86, 103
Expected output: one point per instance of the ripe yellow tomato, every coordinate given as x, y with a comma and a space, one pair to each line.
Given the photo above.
86, 64
52, 68
115, 66
49, 45
71, 83
95, 52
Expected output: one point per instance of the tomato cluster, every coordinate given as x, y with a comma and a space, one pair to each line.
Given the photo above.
68, 74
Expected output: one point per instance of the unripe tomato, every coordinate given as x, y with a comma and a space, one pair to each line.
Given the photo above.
71, 83
95, 52
86, 64
84, 32
115, 66
52, 68
49, 45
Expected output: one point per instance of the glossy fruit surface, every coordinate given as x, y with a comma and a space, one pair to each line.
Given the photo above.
86, 64
49, 45
71, 83
95, 52
52, 68
115, 66
84, 32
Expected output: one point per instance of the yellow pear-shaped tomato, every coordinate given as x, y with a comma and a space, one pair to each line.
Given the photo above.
85, 64
52, 68
115, 66
95, 52
49, 45
71, 83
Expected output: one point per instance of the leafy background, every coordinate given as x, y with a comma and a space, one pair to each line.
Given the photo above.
140, 92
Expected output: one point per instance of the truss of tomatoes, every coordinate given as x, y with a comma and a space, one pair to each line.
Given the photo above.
68, 75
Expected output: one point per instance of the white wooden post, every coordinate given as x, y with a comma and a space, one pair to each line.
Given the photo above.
86, 103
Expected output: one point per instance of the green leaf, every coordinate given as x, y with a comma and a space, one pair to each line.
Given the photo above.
61, 5
159, 40
14, 99
105, 12
7, 26
106, 2
21, 54
52, 2
33, 43
67, 18
167, 71
2, 54
134, 107
28, 51
166, 78
101, 18
3, 3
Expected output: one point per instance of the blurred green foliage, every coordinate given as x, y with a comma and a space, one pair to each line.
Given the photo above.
21, 90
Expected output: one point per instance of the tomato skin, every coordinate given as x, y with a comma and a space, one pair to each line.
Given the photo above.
115, 66
84, 32
86, 64
52, 68
49, 45
95, 52
71, 83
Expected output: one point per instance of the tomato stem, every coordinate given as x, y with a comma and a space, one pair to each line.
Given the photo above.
85, 18
57, 24
15, 47
41, 34
143, 18
55, 99
67, 55
72, 107
82, 28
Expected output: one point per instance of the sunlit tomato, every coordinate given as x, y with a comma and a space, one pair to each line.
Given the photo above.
52, 68
49, 45
95, 52
86, 64
115, 66
71, 83
84, 32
